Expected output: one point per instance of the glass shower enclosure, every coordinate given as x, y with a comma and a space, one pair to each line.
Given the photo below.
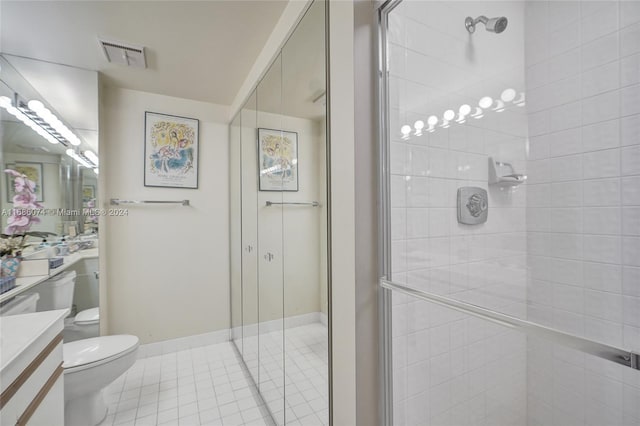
511, 212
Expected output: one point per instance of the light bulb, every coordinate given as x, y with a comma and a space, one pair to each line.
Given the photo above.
485, 102
35, 105
449, 115
5, 102
508, 95
464, 110
418, 125
433, 120
405, 130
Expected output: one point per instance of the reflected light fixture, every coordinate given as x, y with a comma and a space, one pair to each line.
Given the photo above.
54, 122
432, 121
91, 157
80, 159
462, 113
418, 125
42, 121
485, 102
406, 131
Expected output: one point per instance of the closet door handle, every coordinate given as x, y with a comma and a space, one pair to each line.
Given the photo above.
269, 257
249, 248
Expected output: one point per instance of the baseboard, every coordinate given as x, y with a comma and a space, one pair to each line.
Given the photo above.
289, 322
183, 343
220, 336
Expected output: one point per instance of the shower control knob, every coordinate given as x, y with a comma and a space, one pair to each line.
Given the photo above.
477, 205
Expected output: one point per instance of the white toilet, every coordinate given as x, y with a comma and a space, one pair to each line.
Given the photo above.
89, 364
84, 325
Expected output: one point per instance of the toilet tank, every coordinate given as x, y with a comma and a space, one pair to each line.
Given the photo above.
21, 304
57, 292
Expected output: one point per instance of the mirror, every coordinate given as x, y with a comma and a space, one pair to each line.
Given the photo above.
279, 266
49, 133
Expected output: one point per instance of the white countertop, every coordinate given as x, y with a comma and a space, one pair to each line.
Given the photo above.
18, 333
25, 283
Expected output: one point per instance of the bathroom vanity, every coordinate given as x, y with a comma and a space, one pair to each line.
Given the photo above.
31, 379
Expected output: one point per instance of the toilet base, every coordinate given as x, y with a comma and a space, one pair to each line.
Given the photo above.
88, 410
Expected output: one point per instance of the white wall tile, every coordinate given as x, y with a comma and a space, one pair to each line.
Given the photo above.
600, 51
602, 135
601, 79
630, 40
630, 69
601, 164
630, 129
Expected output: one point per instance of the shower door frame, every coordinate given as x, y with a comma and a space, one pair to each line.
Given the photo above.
387, 286
385, 298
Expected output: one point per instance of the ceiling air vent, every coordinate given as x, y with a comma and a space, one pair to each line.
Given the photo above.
119, 53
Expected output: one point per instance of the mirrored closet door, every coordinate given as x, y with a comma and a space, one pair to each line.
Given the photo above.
279, 210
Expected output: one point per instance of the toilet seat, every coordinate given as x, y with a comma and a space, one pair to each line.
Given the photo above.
87, 317
92, 352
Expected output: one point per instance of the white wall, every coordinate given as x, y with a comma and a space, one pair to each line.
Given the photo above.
583, 205
167, 266
450, 368
342, 214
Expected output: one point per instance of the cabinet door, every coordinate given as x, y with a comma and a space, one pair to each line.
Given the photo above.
273, 158
249, 237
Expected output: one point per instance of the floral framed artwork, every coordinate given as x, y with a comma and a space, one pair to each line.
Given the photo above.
171, 151
33, 171
278, 160
88, 192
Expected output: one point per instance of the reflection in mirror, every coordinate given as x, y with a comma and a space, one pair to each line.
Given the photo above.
272, 152
305, 227
249, 237
49, 135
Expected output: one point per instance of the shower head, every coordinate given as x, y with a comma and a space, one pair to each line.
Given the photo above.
494, 25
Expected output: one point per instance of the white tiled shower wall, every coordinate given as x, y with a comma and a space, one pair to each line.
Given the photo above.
583, 205
450, 368
575, 226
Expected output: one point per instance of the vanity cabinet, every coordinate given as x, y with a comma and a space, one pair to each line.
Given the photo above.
31, 374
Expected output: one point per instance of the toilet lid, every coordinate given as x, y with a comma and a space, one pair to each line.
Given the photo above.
97, 349
88, 316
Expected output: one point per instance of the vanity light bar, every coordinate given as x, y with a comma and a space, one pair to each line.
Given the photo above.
89, 155
37, 109
32, 122
80, 159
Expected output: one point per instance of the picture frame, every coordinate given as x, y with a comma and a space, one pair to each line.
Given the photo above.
171, 151
88, 192
277, 160
33, 171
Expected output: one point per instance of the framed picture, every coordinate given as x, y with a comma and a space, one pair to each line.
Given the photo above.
88, 193
278, 160
33, 171
170, 151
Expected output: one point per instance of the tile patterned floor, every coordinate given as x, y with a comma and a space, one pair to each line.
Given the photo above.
209, 386
306, 370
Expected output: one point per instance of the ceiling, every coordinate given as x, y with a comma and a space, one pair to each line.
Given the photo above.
200, 50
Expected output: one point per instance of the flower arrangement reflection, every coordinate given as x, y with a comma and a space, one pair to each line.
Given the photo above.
25, 202
22, 216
